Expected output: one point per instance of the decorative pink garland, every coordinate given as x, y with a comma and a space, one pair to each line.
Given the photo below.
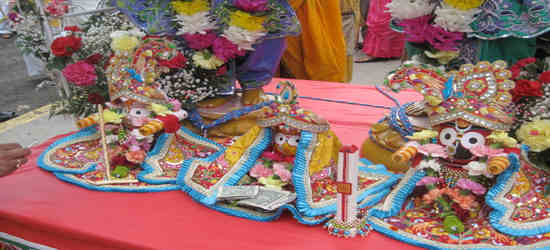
419, 30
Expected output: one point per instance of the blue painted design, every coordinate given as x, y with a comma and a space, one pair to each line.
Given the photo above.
197, 120
85, 132
448, 90
254, 154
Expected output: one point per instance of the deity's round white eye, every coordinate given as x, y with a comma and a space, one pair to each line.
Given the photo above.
472, 139
139, 112
447, 136
294, 140
280, 138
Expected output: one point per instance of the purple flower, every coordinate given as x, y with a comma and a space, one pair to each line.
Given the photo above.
199, 41
473, 186
251, 5
428, 180
225, 49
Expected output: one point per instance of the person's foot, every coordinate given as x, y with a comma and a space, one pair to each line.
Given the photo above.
4, 116
7, 35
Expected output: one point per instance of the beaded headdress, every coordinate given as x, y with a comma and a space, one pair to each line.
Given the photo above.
287, 115
477, 93
133, 75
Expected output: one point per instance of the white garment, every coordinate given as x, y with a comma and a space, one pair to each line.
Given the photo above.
4, 21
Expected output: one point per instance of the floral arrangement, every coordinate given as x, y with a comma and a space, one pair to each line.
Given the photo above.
56, 8
81, 54
274, 170
28, 40
437, 27
459, 199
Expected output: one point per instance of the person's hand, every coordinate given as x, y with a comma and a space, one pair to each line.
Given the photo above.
12, 156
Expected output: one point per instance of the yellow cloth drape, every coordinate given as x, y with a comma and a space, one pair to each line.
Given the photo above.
319, 52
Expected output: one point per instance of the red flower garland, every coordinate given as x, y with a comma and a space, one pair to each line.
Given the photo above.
66, 46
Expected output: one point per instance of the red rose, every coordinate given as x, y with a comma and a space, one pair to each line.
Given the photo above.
523, 62
176, 62
545, 77
526, 88
94, 59
221, 71
72, 28
66, 46
516, 70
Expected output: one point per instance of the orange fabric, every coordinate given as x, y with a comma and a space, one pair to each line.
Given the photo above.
319, 52
38, 207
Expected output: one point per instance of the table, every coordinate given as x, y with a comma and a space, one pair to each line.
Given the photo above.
38, 207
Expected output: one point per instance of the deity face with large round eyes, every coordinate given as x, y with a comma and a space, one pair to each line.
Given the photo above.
460, 137
286, 144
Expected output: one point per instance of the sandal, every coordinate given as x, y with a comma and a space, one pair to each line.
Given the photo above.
366, 59
7, 35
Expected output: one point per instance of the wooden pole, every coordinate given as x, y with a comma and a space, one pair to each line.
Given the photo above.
104, 143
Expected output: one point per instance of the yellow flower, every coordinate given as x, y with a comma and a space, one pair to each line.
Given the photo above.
190, 8
110, 117
502, 138
206, 60
423, 135
443, 56
464, 4
160, 109
124, 43
247, 21
535, 134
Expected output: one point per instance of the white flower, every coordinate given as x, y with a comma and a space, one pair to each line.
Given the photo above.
241, 37
206, 60
433, 164
197, 23
454, 20
476, 168
407, 9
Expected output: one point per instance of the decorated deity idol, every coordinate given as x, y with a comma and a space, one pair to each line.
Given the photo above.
466, 186
288, 161
135, 143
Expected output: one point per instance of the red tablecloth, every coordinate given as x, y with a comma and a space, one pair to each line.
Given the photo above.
38, 207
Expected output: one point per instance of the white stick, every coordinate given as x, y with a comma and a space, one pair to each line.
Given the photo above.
104, 143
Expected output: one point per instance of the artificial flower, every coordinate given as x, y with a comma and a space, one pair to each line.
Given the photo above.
545, 77
425, 134
73, 29
136, 156
426, 180
244, 39
433, 164
259, 170
94, 59
282, 172
467, 202
170, 123
124, 42
176, 62
431, 195
251, 5
80, 73
455, 20
525, 61
526, 88
442, 56
225, 49
197, 23
476, 168
416, 29
464, 4
198, 41
65, 46
57, 8
535, 134
206, 60
441, 39
272, 182
502, 138
407, 9
247, 21
432, 150
483, 150
189, 8
160, 109
473, 186
176, 104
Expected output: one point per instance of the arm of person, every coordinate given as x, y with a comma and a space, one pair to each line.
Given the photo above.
12, 156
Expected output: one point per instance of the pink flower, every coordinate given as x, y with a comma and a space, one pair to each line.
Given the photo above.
433, 150
251, 5
415, 29
441, 39
199, 41
431, 195
428, 180
282, 172
225, 49
138, 121
482, 150
260, 171
136, 156
473, 186
176, 104
80, 73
